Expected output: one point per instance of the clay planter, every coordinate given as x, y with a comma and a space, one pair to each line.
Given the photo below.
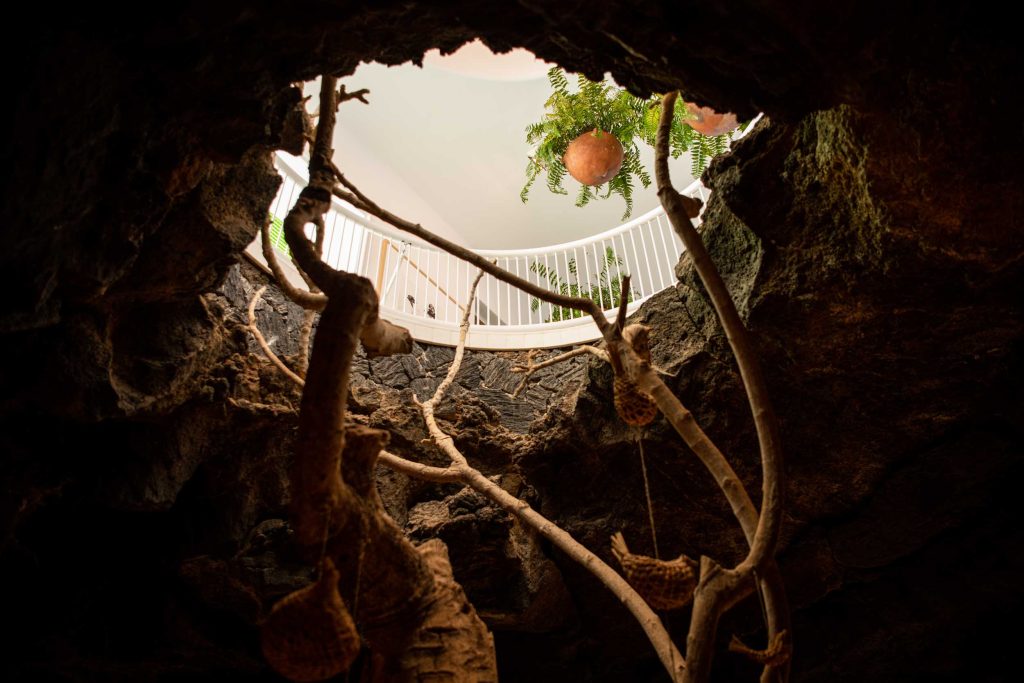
709, 122
592, 158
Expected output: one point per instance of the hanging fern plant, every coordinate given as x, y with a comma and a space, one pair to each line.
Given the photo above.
606, 108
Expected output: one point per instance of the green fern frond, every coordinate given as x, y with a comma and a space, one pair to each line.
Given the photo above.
556, 173
558, 80
533, 170
622, 185
698, 160
721, 144
644, 177
585, 195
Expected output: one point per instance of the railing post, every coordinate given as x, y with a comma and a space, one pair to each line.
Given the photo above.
382, 262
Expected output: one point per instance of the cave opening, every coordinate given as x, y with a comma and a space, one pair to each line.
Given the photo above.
875, 256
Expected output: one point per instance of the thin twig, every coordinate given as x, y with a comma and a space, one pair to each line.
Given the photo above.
428, 406
776, 654
532, 367
416, 470
344, 96
255, 330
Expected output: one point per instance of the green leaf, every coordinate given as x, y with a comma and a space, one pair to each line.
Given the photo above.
277, 235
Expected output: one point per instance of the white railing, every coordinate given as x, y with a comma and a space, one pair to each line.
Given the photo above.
422, 287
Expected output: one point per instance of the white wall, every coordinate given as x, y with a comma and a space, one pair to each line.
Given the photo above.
376, 177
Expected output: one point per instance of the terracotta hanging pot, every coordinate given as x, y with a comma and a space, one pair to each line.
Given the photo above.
709, 122
593, 158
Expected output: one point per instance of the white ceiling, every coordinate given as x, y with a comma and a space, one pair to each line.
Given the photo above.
445, 146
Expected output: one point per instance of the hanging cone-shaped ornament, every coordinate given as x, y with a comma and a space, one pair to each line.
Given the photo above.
309, 635
634, 406
664, 585
593, 158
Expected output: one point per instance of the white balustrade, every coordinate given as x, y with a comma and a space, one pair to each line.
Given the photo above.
422, 287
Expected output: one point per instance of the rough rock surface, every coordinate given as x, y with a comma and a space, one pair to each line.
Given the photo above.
870, 234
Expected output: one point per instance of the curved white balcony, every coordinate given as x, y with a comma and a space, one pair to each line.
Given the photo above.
421, 287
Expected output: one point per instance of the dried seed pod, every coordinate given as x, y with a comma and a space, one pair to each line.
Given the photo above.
634, 406
664, 585
309, 635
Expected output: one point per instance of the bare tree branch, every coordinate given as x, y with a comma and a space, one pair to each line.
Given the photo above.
378, 336
308, 300
309, 316
437, 475
255, 330
715, 592
776, 654
360, 95
352, 195
766, 537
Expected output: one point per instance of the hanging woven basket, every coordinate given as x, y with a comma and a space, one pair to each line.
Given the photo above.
310, 635
593, 158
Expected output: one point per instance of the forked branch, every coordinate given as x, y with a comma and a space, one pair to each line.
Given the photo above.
531, 367
462, 472
350, 193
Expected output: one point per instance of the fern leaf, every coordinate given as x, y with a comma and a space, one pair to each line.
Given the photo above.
558, 80
533, 169
584, 196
